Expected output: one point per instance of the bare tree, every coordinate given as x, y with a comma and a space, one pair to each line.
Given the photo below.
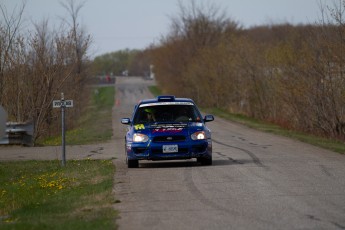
194, 29
327, 77
36, 68
9, 28
80, 43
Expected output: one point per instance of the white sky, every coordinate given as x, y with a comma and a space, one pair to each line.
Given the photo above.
135, 24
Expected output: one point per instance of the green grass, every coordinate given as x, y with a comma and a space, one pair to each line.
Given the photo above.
155, 90
44, 195
330, 144
95, 125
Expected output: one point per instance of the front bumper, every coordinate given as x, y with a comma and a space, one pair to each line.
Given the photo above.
154, 151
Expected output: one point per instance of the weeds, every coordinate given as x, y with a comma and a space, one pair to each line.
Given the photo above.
41, 194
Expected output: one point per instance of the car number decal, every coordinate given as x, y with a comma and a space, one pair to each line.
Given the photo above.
139, 126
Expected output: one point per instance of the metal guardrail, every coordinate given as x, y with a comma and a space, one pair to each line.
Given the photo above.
18, 133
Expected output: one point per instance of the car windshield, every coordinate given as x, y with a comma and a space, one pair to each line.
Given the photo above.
167, 113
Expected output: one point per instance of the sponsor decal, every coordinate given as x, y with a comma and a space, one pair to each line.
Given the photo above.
139, 126
198, 124
167, 130
165, 126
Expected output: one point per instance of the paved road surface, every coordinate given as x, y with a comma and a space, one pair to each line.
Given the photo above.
257, 181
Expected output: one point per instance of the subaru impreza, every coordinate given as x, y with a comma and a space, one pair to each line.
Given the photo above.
167, 128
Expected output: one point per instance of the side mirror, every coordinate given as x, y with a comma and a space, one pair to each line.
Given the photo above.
126, 121
208, 118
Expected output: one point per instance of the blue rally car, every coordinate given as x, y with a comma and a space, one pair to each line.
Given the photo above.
167, 128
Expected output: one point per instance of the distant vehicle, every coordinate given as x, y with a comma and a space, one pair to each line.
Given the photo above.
167, 128
125, 73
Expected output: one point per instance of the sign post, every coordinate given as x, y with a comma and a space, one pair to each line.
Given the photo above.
63, 104
63, 130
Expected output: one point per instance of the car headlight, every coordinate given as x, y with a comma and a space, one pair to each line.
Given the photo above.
200, 135
138, 137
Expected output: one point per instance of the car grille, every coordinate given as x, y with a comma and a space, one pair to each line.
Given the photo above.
176, 138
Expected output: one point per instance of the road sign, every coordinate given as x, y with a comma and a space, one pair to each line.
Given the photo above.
59, 103
63, 104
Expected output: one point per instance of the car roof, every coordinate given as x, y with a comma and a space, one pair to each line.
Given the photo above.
165, 98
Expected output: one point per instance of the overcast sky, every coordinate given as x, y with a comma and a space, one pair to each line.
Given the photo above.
135, 24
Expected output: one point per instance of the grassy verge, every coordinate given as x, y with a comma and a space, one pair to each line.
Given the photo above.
42, 195
334, 145
330, 144
155, 90
95, 124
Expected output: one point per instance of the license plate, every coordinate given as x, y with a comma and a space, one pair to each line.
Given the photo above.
170, 148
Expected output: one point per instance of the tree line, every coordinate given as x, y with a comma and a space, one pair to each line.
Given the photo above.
133, 62
36, 66
291, 75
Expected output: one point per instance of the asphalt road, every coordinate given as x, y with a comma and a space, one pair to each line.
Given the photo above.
257, 181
